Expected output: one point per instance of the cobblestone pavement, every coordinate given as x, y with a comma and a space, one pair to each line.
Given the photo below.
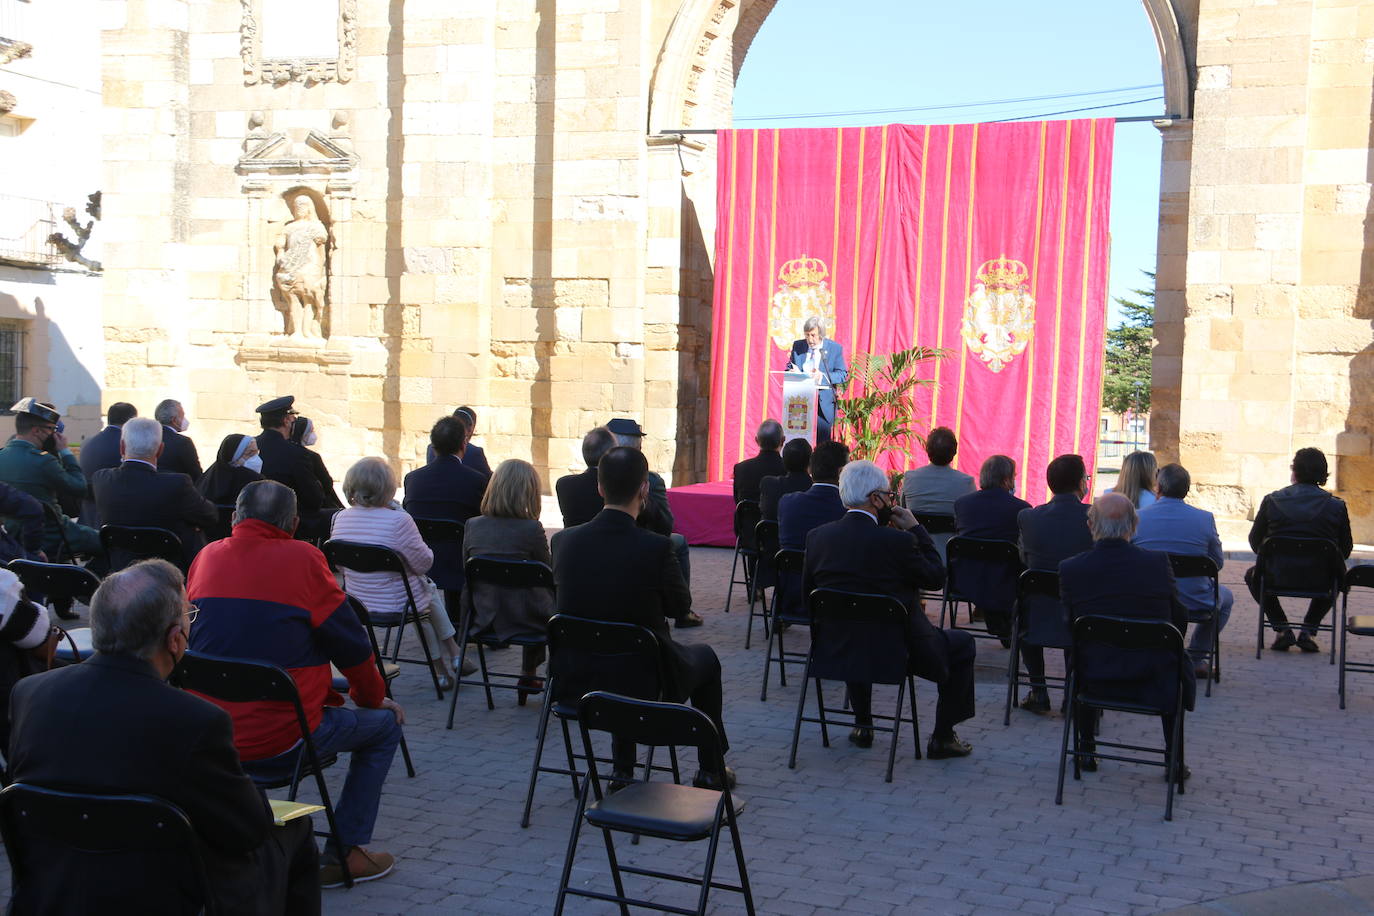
1274, 799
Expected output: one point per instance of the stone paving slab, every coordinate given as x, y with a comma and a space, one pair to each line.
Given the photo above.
1275, 799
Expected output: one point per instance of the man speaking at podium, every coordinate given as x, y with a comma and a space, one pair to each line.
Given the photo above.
824, 361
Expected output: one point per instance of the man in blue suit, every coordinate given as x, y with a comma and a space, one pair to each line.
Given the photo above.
798, 513
824, 361
990, 514
446, 489
1172, 526
101, 451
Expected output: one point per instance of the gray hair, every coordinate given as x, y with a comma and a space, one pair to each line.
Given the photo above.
369, 483
629, 441
166, 411
814, 323
995, 471
858, 480
133, 609
770, 435
141, 437
1174, 481
267, 501
1112, 516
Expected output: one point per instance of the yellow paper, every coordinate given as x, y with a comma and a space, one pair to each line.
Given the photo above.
283, 811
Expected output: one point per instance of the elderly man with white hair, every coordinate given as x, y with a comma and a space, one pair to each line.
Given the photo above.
137, 493
878, 547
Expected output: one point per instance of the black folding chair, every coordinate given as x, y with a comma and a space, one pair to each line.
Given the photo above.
1092, 633
967, 560
747, 517
766, 542
857, 637
350, 556
788, 564
238, 680
935, 523
1316, 569
439, 531
662, 810
52, 517
83, 834
496, 573
1361, 576
587, 655
55, 581
125, 545
388, 670
1039, 619
1203, 567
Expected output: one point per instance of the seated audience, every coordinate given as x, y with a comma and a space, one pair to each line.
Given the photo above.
303, 434
263, 595
236, 465
1116, 578
509, 529
1301, 510
1172, 526
989, 513
767, 463
655, 514
474, 456
611, 569
102, 451
137, 493
878, 547
1137, 479
450, 490
38, 462
179, 453
798, 513
932, 490
122, 729
1050, 534
578, 498
374, 517
796, 458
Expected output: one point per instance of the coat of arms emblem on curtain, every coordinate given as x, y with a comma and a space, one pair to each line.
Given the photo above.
999, 316
802, 292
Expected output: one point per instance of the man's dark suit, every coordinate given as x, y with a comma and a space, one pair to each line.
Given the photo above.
1299, 511
451, 490
473, 456
287, 463
578, 498
854, 555
798, 513
611, 569
1118, 579
989, 514
136, 494
112, 725
750, 471
773, 489
178, 455
1051, 534
97, 453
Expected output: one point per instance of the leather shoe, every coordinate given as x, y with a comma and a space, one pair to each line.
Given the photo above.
66, 609
945, 748
619, 780
1038, 702
706, 779
1284, 641
1202, 671
861, 736
1306, 643
690, 619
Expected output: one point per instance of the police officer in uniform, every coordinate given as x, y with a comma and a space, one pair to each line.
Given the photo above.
288, 463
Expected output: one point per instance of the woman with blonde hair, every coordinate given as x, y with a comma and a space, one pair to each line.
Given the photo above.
374, 517
509, 529
1137, 479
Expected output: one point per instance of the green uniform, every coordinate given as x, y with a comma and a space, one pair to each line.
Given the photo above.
43, 476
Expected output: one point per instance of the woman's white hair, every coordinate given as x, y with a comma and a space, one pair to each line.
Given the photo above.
858, 480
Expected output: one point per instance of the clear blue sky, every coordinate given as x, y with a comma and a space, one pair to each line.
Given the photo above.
810, 57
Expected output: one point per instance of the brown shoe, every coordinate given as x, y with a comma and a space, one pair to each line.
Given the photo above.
362, 866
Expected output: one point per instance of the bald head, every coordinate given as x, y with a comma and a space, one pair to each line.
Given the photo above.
1112, 516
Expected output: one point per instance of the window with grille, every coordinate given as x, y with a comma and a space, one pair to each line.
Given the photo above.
11, 363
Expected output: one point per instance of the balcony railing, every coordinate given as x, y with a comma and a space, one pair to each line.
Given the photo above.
25, 225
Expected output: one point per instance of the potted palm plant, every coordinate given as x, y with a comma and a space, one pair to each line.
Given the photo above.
878, 414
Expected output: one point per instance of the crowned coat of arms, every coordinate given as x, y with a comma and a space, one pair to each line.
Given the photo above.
999, 316
803, 291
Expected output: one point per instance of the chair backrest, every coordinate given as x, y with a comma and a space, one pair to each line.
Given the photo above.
935, 522
55, 580
747, 517
1127, 633
1145, 652
1300, 567
440, 530
236, 680
587, 655
510, 573
1361, 576
363, 558
766, 537
984, 553
83, 834
653, 723
788, 560
142, 542
857, 637
1044, 621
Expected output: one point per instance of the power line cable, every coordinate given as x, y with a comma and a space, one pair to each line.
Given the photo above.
958, 105
1046, 114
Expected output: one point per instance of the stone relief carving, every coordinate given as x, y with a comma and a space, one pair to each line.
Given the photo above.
300, 273
308, 70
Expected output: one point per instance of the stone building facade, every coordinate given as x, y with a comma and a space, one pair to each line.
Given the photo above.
499, 219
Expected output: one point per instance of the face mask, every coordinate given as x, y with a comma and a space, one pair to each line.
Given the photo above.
310, 438
884, 516
254, 464
184, 425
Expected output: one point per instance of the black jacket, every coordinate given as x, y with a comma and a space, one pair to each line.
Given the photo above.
1302, 511
97, 453
178, 454
749, 472
288, 463
136, 494
990, 514
578, 498
1054, 532
450, 490
772, 489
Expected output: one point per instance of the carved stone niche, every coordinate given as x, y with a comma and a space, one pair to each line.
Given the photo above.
307, 41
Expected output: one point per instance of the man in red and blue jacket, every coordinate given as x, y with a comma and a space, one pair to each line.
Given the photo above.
264, 595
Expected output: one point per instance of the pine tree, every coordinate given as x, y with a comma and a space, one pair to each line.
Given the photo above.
1126, 376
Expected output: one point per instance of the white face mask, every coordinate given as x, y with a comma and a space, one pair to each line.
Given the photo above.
184, 425
310, 438
254, 464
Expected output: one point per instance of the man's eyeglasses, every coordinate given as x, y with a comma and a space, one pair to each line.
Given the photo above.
192, 612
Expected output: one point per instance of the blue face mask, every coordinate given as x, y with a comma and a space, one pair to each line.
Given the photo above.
254, 464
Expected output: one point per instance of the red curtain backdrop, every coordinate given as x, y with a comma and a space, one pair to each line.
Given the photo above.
937, 235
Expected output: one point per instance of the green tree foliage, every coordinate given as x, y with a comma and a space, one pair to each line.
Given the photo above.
1126, 376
